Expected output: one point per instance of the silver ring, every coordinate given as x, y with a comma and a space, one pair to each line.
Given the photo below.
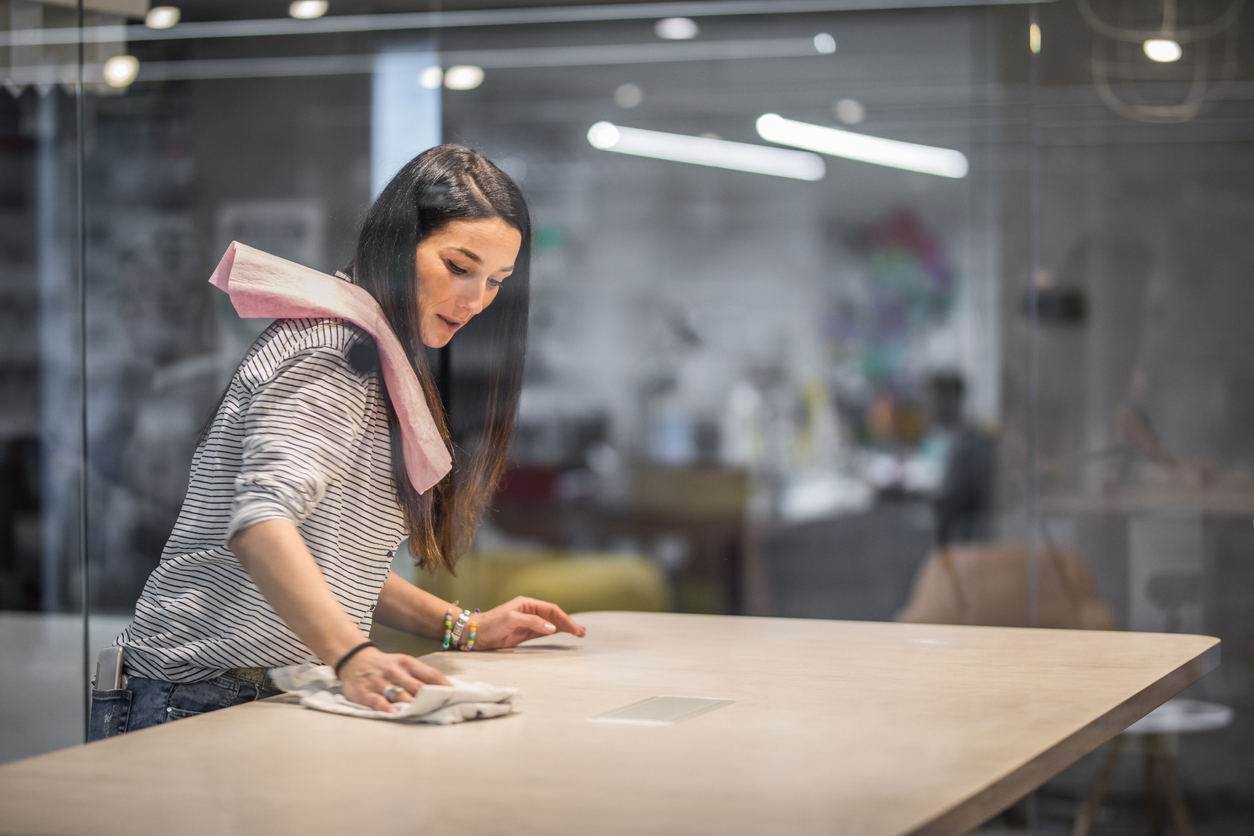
391, 692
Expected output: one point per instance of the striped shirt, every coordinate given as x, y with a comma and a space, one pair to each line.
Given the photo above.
300, 436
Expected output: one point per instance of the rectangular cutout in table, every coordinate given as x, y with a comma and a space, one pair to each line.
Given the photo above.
660, 711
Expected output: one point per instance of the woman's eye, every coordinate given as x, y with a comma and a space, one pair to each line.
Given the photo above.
454, 269
494, 283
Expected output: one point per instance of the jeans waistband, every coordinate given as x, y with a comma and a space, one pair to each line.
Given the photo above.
257, 676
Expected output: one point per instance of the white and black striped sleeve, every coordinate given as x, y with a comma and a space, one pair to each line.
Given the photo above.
300, 432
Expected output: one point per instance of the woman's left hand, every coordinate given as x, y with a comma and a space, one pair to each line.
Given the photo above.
521, 619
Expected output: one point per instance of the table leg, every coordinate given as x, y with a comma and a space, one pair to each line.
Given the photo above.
1084, 822
1175, 800
1150, 770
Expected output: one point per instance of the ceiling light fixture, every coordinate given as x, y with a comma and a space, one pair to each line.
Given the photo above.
431, 78
849, 111
307, 9
628, 95
463, 77
445, 20
719, 153
942, 162
162, 17
121, 70
676, 28
1162, 50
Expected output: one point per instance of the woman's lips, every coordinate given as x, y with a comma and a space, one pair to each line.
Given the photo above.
450, 324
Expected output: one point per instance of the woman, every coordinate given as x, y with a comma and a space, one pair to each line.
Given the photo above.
299, 489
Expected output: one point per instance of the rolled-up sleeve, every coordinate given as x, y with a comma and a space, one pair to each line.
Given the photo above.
299, 433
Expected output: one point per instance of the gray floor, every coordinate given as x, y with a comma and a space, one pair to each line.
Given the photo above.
41, 688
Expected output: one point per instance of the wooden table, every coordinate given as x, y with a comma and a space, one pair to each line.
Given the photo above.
837, 727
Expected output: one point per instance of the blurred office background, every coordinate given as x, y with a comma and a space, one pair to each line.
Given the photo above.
1002, 379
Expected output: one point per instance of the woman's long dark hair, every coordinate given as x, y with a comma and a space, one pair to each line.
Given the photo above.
445, 184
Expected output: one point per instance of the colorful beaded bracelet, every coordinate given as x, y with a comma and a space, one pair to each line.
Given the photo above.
448, 628
470, 639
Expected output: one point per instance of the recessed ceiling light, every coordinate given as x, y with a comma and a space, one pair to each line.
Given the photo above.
824, 43
463, 77
431, 78
1162, 50
628, 95
121, 70
307, 9
676, 28
849, 111
162, 17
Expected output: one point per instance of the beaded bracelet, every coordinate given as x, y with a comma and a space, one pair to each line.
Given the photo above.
448, 628
470, 639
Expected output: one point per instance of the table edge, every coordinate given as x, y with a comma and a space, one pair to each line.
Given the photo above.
971, 812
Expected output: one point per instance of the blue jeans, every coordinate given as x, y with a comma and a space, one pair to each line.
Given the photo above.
150, 702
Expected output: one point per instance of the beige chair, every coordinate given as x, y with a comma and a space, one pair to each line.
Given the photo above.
989, 585
576, 582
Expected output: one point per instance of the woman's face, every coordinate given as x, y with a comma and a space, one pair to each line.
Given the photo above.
460, 269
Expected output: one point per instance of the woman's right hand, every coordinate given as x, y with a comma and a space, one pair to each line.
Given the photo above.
365, 677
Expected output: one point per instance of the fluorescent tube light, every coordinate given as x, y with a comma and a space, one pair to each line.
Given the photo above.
943, 162
738, 156
457, 19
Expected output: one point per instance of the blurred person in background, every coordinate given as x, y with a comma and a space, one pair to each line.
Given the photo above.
963, 504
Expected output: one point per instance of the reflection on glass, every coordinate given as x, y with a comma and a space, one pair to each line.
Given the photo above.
803, 395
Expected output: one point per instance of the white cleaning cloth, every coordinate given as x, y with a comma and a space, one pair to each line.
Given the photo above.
437, 704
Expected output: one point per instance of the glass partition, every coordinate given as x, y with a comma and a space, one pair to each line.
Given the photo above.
917, 313
41, 512
1145, 443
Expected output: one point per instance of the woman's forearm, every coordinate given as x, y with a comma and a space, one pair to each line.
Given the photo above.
403, 606
279, 563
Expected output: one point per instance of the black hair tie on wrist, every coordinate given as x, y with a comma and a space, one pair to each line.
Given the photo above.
350, 654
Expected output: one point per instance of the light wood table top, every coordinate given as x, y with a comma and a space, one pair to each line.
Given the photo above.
837, 727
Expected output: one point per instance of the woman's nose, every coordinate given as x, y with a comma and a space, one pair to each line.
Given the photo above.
471, 298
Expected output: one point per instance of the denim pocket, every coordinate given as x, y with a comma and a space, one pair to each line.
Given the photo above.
110, 714
187, 699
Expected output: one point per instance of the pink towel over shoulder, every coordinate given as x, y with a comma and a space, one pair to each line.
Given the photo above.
263, 286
